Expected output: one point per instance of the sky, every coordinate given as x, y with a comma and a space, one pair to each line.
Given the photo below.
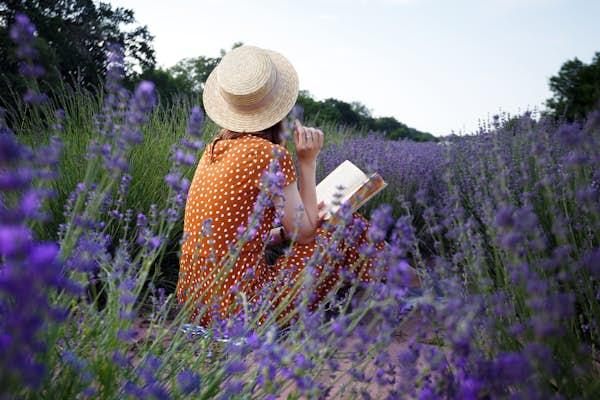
440, 66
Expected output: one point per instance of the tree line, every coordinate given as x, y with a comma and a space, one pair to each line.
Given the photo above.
74, 35
72, 43
187, 78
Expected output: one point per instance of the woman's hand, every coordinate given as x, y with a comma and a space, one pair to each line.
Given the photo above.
322, 217
308, 142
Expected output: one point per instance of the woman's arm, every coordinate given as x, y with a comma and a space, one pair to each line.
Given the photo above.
294, 220
308, 142
307, 172
300, 208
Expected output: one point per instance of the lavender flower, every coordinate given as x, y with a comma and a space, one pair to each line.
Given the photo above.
188, 382
23, 33
29, 273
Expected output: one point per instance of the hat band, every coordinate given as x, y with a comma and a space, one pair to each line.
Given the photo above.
263, 102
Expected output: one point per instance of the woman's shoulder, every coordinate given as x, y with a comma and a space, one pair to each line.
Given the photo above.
262, 146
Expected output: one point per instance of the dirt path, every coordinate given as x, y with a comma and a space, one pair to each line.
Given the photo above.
340, 382
342, 388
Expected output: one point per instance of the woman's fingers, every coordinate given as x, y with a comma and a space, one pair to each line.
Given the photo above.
321, 205
320, 137
297, 132
310, 135
322, 217
308, 141
316, 138
298, 125
304, 136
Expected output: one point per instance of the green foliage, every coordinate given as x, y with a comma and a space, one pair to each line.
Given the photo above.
169, 87
576, 89
76, 35
195, 71
357, 115
149, 162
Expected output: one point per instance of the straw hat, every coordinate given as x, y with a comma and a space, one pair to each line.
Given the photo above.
250, 90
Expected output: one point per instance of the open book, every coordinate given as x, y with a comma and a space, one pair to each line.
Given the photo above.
347, 183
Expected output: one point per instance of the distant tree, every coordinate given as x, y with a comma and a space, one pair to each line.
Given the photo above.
309, 105
386, 124
576, 89
358, 115
168, 86
329, 110
397, 130
360, 109
73, 39
196, 70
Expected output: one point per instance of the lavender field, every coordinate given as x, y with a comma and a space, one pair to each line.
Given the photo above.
503, 226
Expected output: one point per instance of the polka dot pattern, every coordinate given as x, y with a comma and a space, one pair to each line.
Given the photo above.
221, 199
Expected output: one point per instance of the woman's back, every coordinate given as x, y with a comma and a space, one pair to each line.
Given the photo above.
222, 199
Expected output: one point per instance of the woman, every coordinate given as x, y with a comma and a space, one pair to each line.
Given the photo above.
249, 94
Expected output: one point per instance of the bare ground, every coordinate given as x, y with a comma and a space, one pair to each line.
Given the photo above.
341, 384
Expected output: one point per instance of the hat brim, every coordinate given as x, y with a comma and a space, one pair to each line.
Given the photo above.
226, 116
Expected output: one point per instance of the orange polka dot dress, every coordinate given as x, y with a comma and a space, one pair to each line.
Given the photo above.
221, 201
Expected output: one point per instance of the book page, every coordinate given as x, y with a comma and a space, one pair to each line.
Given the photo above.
347, 175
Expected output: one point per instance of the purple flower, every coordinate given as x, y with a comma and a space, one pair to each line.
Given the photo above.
23, 33
23, 30
398, 277
144, 96
301, 362
188, 382
253, 341
504, 218
121, 360
381, 221
570, 134
511, 368
296, 113
142, 221
184, 158
33, 71
15, 240
90, 252
114, 72
470, 389
17, 179
126, 335
590, 262
10, 151
196, 122
193, 145
235, 367
155, 242
60, 115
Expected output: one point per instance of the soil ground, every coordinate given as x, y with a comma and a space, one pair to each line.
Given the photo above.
341, 384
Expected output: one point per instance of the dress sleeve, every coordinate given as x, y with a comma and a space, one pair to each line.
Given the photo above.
286, 163
265, 154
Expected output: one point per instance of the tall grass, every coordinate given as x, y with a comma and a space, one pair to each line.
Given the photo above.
149, 162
